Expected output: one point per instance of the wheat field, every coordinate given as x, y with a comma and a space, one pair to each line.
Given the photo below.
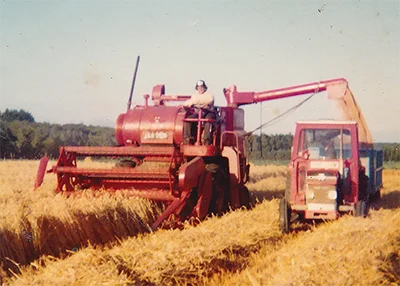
47, 239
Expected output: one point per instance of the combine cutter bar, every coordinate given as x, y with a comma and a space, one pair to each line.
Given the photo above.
143, 151
128, 184
113, 178
126, 173
121, 177
151, 194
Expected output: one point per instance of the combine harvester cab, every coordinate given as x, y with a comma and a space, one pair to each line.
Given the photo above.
330, 173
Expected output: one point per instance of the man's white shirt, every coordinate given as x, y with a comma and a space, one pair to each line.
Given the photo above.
205, 99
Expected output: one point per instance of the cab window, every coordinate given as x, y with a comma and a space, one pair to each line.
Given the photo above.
325, 143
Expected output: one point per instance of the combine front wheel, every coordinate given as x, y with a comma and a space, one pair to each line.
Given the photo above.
244, 197
220, 181
205, 190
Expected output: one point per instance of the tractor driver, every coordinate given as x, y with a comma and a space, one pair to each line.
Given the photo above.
329, 149
204, 100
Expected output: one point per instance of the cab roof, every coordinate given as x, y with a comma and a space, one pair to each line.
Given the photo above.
333, 122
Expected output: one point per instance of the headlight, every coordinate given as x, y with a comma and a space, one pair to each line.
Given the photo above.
332, 195
310, 195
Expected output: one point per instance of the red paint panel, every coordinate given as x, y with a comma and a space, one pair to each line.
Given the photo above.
150, 125
41, 171
189, 173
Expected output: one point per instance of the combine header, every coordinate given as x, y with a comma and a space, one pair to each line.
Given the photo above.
154, 163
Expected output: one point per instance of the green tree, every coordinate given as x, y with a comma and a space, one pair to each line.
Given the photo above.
25, 147
13, 114
8, 147
271, 147
51, 146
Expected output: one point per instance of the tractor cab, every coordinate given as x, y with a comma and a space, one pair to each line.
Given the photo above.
329, 173
324, 168
324, 171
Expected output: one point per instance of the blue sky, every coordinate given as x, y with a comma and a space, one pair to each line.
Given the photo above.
73, 61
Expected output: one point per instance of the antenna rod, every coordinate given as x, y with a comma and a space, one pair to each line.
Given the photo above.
133, 83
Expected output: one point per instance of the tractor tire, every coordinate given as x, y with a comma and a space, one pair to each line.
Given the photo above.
284, 216
361, 209
287, 189
376, 196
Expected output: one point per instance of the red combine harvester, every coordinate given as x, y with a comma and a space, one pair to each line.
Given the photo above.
334, 167
192, 180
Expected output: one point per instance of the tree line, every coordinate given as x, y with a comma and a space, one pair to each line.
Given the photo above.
23, 138
269, 147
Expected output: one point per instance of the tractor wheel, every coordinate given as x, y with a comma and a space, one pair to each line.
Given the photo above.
376, 196
287, 189
361, 209
284, 216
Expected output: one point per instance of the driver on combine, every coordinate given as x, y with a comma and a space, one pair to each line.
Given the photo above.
203, 100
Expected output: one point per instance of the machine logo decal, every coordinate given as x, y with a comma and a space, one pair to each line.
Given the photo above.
156, 135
